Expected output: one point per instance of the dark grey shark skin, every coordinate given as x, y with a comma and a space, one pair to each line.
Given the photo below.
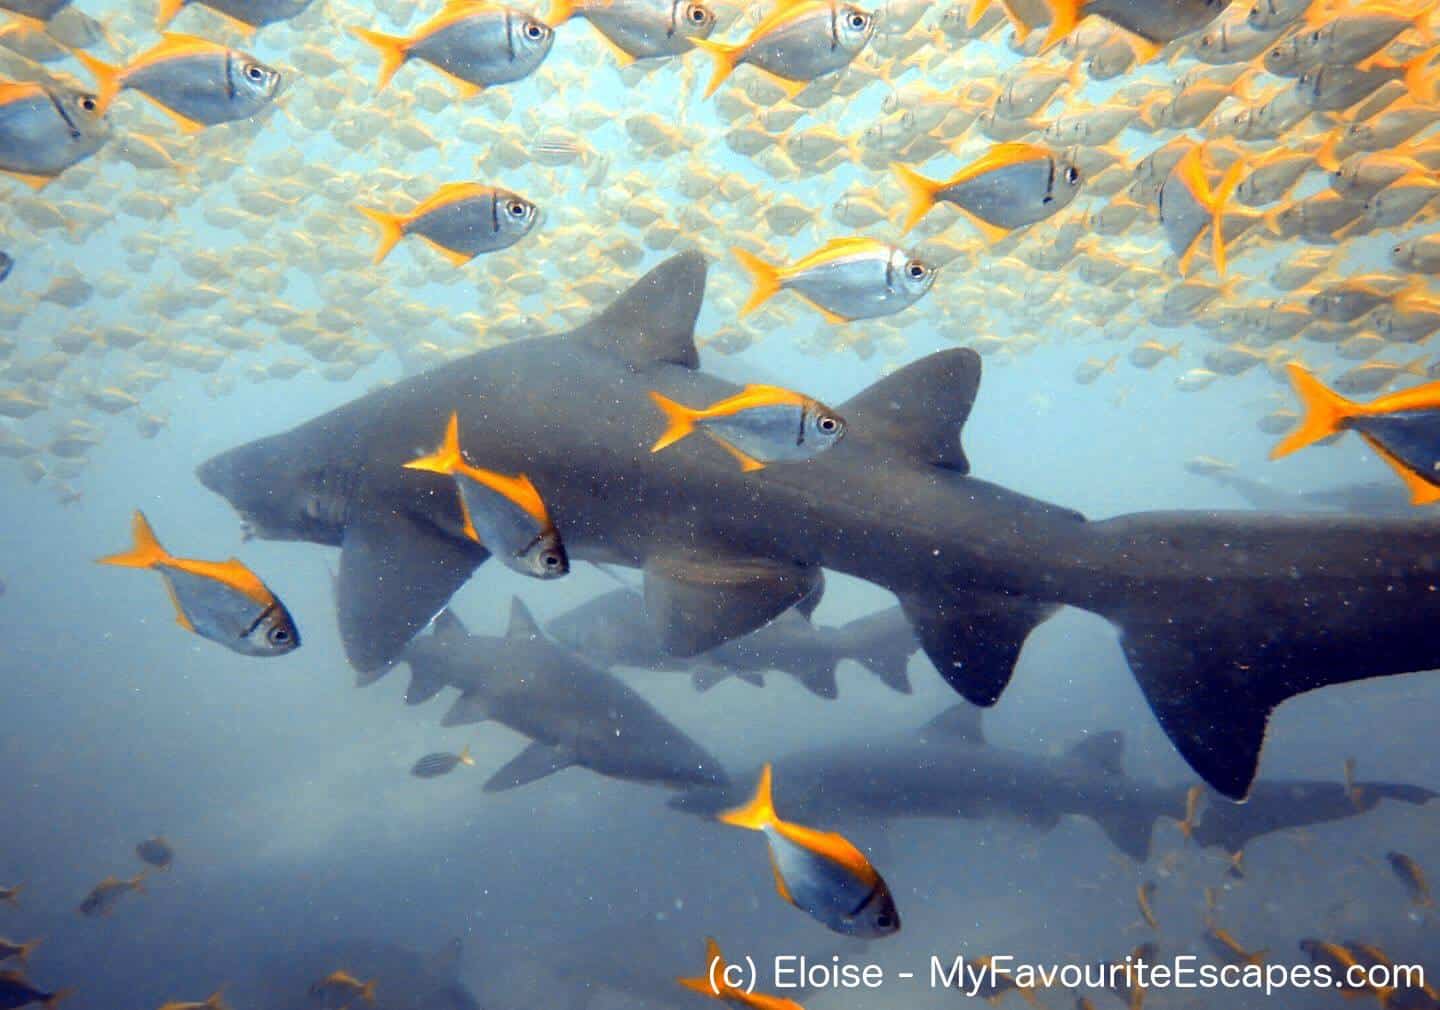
574, 713
949, 770
1222, 616
613, 629
404, 979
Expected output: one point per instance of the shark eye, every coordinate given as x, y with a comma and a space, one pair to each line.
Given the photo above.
254, 72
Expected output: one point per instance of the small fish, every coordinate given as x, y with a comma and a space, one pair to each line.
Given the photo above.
798, 42
157, 852
19, 951
1151, 353
758, 425
247, 15
505, 515
215, 1001
1236, 869
44, 129
441, 763
1402, 428
713, 984
220, 600
1012, 186
991, 983
105, 895
345, 986
1203, 466
1227, 949
198, 83
1143, 896
1355, 794
1409, 873
1188, 205
819, 872
475, 44
7, 263
461, 221
640, 29
1193, 807
16, 992
846, 279
1092, 368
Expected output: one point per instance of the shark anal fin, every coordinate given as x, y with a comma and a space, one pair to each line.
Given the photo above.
922, 407
396, 574
654, 321
531, 764
698, 602
974, 640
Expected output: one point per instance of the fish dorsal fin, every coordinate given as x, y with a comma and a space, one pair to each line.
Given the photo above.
448, 628
698, 600
522, 622
1104, 750
922, 407
654, 321
961, 723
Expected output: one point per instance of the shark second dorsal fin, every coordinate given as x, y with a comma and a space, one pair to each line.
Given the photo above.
961, 723
448, 628
1105, 751
654, 321
522, 622
921, 408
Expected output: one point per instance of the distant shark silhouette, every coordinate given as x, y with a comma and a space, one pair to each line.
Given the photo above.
1222, 616
948, 769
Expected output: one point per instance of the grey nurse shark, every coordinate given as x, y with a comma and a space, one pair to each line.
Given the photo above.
573, 713
949, 770
1222, 616
613, 629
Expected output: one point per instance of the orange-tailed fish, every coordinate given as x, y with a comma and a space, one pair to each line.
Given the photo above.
198, 83
1012, 186
503, 514
15, 991
215, 1001
1227, 949
19, 951
819, 872
220, 600
1193, 796
46, 128
1143, 896
1355, 794
35, 12
847, 278
11, 895
640, 29
474, 44
104, 896
758, 425
1409, 873
343, 986
461, 221
1188, 206
1402, 428
798, 42
246, 15
714, 984
432, 766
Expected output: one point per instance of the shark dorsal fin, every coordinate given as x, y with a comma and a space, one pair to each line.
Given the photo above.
448, 628
654, 321
1104, 750
961, 723
922, 407
522, 622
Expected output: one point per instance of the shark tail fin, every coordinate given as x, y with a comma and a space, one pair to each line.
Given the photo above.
392, 230
146, 552
392, 49
759, 813
679, 420
1325, 412
765, 278
818, 677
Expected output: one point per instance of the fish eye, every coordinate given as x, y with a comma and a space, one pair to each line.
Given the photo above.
278, 636
254, 72
827, 424
858, 21
550, 559
916, 269
88, 103
884, 921
699, 15
516, 208
534, 31
1072, 175
1315, 36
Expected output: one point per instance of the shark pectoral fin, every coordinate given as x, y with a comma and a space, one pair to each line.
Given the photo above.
922, 407
468, 709
531, 764
974, 640
396, 573
1105, 751
424, 685
698, 602
654, 321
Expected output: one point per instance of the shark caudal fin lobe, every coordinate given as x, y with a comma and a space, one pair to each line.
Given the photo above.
679, 421
146, 552
393, 52
392, 230
1127, 825
764, 278
919, 191
759, 813
726, 57
1325, 411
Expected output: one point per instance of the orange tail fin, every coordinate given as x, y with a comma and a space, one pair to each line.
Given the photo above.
725, 56
679, 418
146, 552
713, 981
445, 459
1325, 410
919, 190
393, 53
759, 813
560, 12
167, 12
392, 230
766, 279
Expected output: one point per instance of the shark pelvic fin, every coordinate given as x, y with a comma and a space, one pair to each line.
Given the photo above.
395, 575
448, 628
654, 321
533, 763
922, 407
975, 640
699, 601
